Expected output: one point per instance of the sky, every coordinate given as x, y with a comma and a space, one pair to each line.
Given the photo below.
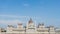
20, 11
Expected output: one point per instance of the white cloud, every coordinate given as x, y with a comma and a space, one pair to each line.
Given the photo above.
14, 16
26, 4
10, 21
15, 21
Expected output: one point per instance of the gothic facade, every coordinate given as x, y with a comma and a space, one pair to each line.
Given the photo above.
31, 28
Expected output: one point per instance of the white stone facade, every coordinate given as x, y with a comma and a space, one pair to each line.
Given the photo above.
30, 28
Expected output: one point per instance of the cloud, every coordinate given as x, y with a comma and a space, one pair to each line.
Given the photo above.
10, 21
26, 5
6, 19
14, 16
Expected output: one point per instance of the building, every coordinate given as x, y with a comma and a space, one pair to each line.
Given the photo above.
31, 28
57, 31
2, 31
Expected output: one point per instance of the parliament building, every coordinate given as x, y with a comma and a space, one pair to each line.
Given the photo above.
30, 28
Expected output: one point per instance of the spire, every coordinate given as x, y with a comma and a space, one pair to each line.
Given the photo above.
40, 24
30, 21
19, 23
10, 26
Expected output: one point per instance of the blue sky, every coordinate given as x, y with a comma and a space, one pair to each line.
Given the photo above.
14, 11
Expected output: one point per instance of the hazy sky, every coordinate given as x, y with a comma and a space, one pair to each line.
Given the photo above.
19, 11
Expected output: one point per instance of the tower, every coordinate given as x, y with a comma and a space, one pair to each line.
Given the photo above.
41, 25
10, 28
20, 26
30, 26
51, 30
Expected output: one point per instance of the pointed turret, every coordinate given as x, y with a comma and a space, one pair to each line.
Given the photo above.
20, 25
30, 24
30, 21
41, 25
